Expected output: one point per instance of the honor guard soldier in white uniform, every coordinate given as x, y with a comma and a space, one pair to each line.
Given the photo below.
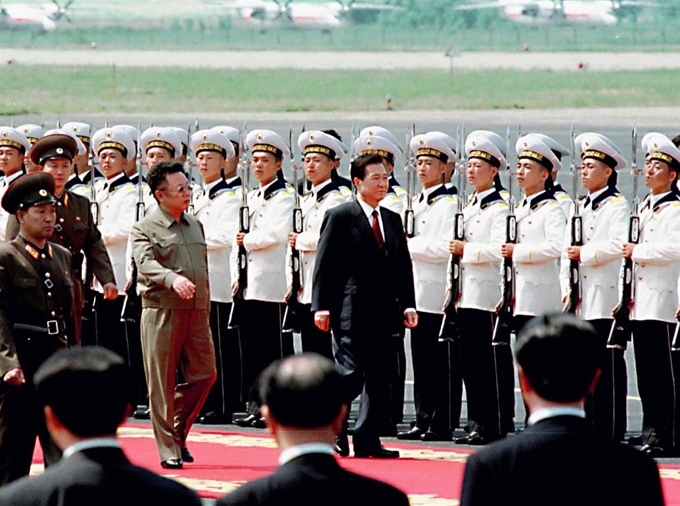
560, 152
82, 168
231, 176
158, 145
116, 197
604, 215
260, 313
502, 147
487, 370
434, 210
217, 210
655, 287
131, 165
320, 152
13, 147
540, 233
377, 140
343, 183
451, 164
32, 133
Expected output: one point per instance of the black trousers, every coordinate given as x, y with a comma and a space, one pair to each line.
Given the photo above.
437, 380
488, 374
262, 342
110, 328
657, 383
397, 384
366, 368
606, 408
136, 361
21, 420
226, 395
313, 339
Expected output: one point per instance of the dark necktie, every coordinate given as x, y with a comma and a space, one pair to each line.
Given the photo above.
376, 231
586, 202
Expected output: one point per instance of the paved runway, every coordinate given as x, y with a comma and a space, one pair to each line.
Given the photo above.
354, 60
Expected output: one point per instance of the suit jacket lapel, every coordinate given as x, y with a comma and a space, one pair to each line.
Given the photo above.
362, 225
388, 229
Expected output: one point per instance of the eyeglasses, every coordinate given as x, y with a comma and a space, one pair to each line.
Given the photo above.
179, 189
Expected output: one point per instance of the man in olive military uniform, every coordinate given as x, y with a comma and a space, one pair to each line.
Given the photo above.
36, 304
170, 251
75, 229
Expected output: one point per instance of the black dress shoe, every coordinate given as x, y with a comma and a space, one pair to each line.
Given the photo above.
415, 434
474, 438
172, 464
342, 446
378, 453
186, 455
431, 435
247, 421
654, 451
213, 418
141, 413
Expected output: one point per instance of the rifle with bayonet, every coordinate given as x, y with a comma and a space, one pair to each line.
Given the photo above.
574, 296
409, 167
291, 319
235, 315
94, 205
190, 171
132, 306
353, 138
505, 319
620, 332
449, 328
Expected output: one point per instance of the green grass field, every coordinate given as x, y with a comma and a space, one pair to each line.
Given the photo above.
36, 90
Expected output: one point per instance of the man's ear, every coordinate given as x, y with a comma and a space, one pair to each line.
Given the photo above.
51, 421
339, 421
271, 422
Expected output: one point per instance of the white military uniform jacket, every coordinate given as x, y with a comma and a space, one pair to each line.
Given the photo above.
75, 185
540, 234
314, 206
117, 198
485, 220
563, 199
605, 217
429, 247
150, 202
271, 220
657, 260
217, 210
4, 215
394, 202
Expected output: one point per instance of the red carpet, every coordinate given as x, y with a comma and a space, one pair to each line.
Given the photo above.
225, 460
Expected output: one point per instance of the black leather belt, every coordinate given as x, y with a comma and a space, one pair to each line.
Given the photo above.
51, 328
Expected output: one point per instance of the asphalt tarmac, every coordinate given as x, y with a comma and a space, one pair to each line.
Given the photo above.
355, 60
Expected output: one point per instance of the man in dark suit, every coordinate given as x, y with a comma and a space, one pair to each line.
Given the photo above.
363, 292
304, 409
94, 469
559, 459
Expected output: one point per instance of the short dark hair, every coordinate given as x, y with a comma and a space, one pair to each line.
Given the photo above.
559, 354
157, 175
358, 167
333, 133
89, 376
676, 141
303, 390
